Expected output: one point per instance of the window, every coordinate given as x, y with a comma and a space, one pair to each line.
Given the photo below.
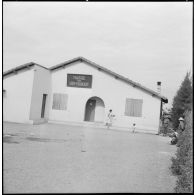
59, 101
133, 107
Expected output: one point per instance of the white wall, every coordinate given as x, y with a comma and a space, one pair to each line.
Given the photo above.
112, 91
17, 98
41, 85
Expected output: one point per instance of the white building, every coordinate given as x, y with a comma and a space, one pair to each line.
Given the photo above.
78, 92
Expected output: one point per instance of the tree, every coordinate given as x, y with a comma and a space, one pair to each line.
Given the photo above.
182, 102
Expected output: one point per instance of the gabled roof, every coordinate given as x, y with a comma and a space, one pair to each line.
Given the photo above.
21, 67
117, 76
100, 68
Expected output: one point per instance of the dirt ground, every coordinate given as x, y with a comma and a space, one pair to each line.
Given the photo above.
54, 158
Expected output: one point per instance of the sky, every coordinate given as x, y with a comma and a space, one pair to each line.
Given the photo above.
144, 41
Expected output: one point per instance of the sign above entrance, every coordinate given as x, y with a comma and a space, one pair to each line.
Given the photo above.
79, 80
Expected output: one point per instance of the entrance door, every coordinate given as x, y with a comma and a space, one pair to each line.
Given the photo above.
90, 110
43, 105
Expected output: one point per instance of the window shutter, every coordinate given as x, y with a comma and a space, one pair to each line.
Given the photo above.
128, 107
59, 101
138, 108
133, 107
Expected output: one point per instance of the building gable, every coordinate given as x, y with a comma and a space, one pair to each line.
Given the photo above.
105, 70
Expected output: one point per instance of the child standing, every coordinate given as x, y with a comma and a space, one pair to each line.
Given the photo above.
134, 126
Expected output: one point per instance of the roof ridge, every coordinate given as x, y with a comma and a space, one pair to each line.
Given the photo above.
136, 83
81, 58
20, 67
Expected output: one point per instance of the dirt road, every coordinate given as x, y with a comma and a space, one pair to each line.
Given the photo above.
53, 158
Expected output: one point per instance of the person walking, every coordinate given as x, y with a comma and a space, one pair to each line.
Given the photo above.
109, 119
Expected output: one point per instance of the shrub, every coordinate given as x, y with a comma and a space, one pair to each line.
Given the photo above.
182, 165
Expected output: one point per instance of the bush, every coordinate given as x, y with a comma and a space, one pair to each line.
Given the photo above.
182, 165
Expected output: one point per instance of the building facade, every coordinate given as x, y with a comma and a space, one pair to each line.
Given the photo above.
78, 92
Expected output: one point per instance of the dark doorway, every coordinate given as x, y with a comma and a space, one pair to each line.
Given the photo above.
43, 105
90, 110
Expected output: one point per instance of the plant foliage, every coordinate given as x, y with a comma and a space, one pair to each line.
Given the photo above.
182, 164
182, 101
